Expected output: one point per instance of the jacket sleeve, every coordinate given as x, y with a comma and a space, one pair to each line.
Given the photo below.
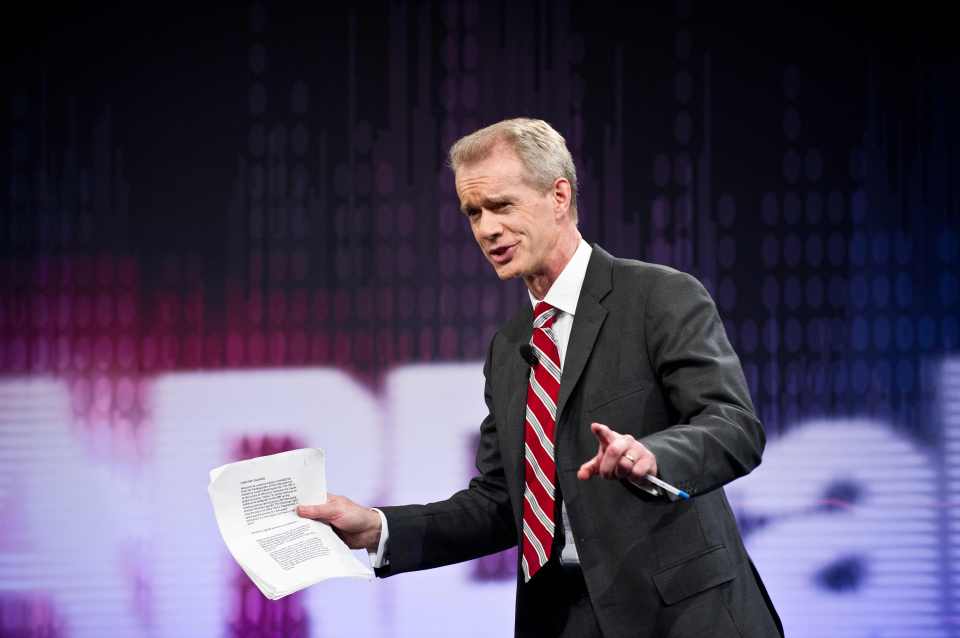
473, 522
717, 436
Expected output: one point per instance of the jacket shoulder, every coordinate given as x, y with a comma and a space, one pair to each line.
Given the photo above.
650, 276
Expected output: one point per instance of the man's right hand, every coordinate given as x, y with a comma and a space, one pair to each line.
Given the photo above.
358, 526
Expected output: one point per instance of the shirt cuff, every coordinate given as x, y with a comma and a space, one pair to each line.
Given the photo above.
379, 558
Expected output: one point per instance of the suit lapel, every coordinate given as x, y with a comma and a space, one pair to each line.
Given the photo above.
516, 372
587, 321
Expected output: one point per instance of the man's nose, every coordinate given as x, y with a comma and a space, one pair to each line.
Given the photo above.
488, 226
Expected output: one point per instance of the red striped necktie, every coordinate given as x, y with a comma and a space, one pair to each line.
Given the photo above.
540, 468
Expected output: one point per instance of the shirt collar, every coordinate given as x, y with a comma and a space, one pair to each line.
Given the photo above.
565, 291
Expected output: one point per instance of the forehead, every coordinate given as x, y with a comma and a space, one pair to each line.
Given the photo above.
501, 168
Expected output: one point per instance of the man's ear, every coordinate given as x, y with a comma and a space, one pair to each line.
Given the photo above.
562, 194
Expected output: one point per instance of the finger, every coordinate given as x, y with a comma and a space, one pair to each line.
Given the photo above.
605, 435
611, 457
646, 461
324, 512
624, 467
642, 468
590, 468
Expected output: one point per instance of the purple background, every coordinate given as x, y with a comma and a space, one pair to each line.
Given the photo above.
243, 213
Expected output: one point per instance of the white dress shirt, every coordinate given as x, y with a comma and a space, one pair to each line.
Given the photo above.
564, 295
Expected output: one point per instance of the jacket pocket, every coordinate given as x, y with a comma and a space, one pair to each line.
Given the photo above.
615, 394
696, 574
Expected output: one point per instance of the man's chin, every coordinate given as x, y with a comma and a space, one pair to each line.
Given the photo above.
506, 271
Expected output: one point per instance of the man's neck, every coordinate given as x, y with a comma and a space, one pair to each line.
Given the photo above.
540, 283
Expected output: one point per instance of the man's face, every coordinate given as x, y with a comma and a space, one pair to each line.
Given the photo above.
515, 224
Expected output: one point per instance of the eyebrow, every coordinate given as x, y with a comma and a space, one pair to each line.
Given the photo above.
487, 202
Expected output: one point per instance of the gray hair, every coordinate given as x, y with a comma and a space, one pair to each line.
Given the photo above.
540, 148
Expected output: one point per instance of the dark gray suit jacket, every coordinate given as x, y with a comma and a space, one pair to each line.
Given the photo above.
647, 356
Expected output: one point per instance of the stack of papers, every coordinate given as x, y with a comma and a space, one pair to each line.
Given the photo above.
255, 503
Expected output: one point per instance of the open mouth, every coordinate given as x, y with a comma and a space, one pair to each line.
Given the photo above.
502, 254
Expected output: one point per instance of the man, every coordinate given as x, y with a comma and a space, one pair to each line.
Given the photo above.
616, 371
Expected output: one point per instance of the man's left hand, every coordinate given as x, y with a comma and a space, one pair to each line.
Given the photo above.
619, 456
